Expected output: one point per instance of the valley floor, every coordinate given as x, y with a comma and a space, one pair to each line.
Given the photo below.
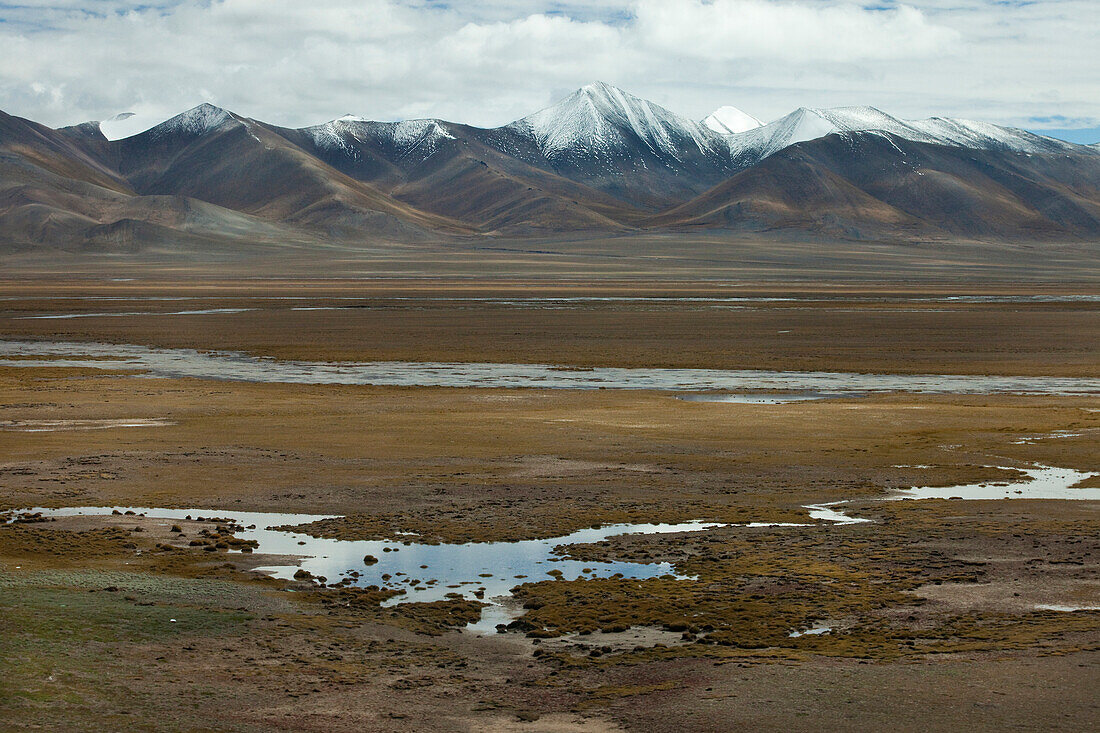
938, 610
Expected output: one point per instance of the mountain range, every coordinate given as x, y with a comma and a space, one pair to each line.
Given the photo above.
599, 161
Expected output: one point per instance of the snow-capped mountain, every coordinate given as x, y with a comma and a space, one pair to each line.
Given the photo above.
730, 121
599, 160
603, 119
630, 147
809, 124
195, 120
806, 124
602, 124
985, 136
408, 137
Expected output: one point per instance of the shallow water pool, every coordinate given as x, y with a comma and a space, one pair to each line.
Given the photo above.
476, 570
229, 365
1042, 482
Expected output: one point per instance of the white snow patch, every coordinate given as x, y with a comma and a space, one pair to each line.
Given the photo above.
601, 118
730, 121
126, 124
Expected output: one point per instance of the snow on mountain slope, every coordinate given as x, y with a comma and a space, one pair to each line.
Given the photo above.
409, 132
408, 137
603, 136
195, 121
125, 125
603, 119
730, 121
334, 135
809, 124
986, 136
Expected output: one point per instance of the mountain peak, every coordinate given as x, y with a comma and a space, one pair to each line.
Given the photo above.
206, 114
196, 121
810, 123
730, 121
349, 133
608, 97
600, 118
598, 86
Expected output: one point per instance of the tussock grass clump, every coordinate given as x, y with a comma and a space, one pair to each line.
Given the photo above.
21, 540
494, 520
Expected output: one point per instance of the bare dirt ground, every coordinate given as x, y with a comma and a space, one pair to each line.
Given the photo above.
934, 606
699, 256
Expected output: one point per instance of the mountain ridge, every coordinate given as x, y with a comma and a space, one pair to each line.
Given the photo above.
601, 94
598, 161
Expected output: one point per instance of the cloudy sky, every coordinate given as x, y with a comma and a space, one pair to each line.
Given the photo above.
1030, 63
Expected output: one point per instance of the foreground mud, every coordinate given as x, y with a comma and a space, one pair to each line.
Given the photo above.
937, 612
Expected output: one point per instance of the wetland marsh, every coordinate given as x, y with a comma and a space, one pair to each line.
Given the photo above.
885, 503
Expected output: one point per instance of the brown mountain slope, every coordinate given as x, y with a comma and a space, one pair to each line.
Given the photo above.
873, 184
445, 169
38, 208
240, 164
54, 193
209, 175
55, 152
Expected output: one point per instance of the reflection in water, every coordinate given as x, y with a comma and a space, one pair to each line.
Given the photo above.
1043, 482
826, 513
538, 299
52, 426
113, 314
483, 570
760, 398
815, 630
488, 569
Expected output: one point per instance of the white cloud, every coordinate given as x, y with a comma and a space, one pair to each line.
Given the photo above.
725, 30
295, 63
